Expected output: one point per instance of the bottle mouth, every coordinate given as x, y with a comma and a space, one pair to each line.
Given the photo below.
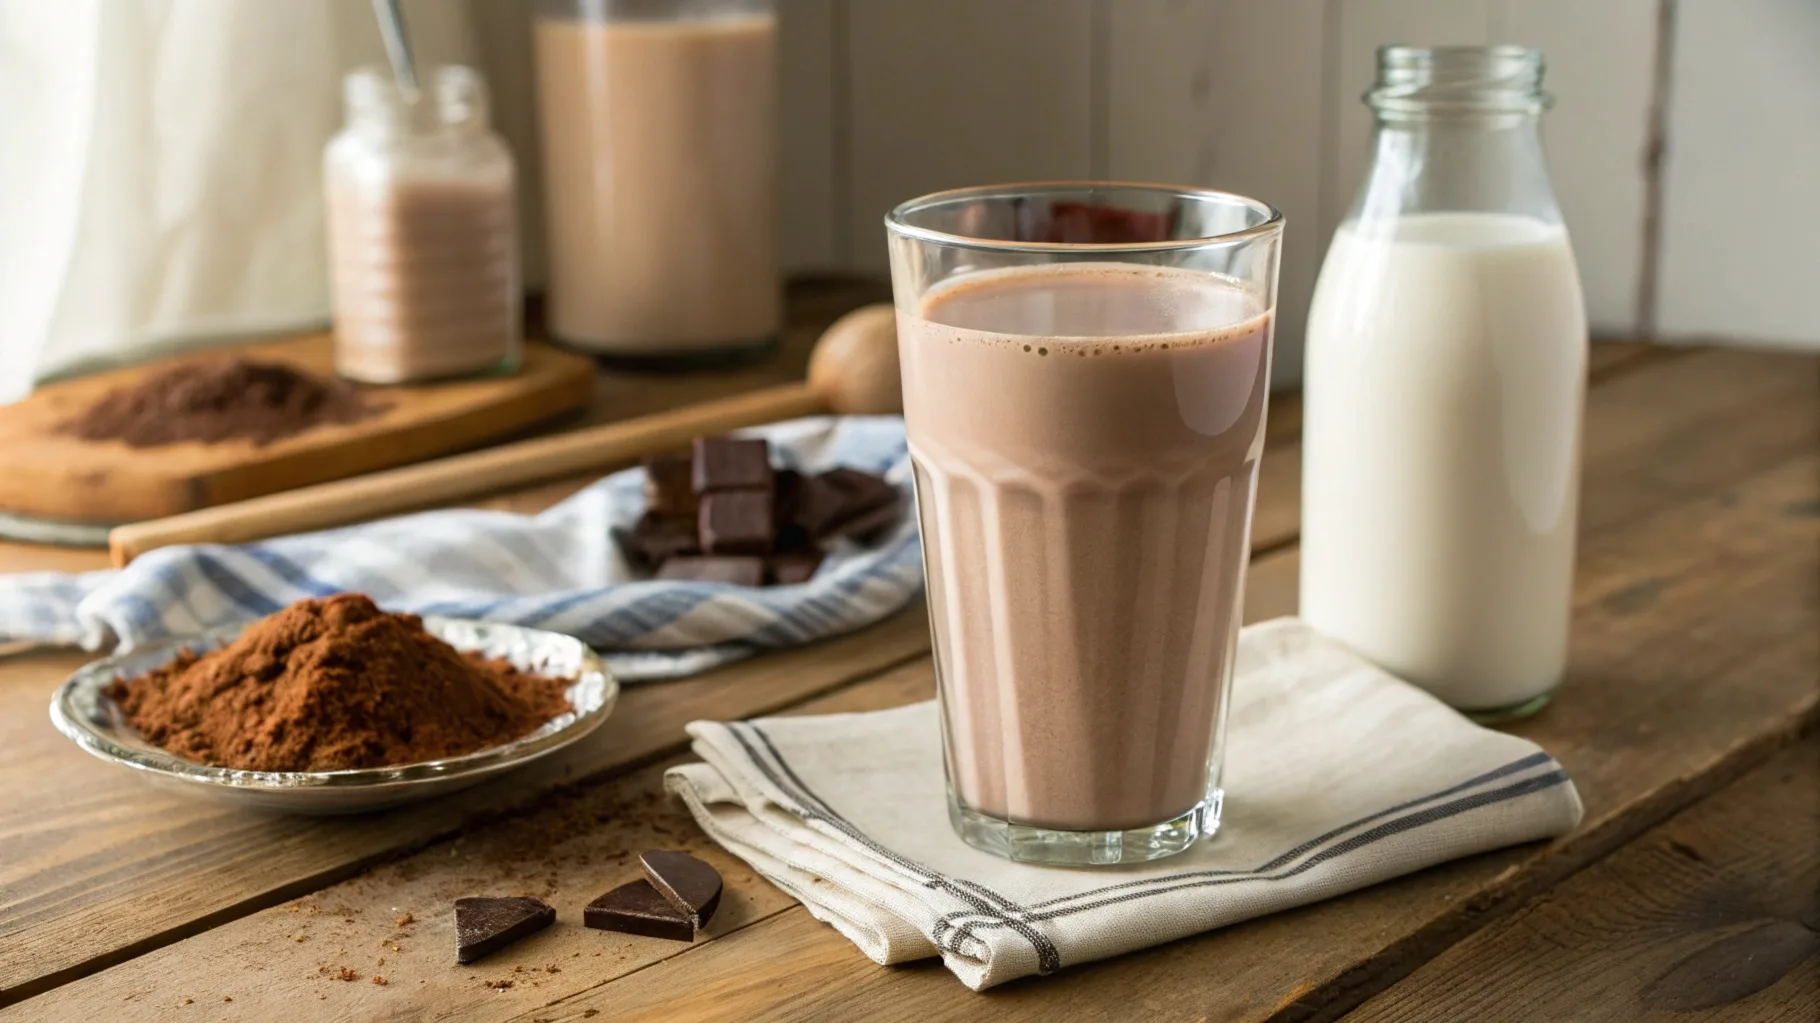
450, 96
1083, 217
1419, 81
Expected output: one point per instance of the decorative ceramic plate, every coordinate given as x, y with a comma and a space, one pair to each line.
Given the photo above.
81, 710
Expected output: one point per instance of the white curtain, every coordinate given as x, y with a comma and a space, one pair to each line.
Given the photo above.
160, 163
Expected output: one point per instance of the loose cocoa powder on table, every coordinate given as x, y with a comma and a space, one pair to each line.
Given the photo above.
334, 684
232, 399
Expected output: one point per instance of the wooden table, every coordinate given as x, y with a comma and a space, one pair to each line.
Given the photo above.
1691, 891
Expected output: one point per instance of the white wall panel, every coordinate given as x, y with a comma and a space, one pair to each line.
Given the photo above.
1600, 65
1226, 94
946, 93
1741, 196
806, 90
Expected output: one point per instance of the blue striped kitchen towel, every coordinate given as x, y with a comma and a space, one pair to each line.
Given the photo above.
558, 570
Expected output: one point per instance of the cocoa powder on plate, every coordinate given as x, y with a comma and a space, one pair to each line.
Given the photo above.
334, 684
231, 399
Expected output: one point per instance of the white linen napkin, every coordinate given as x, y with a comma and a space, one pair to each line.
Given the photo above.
1338, 776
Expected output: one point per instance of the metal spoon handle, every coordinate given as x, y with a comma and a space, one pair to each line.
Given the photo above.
397, 44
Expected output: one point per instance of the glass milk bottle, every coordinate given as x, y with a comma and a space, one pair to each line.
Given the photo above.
660, 178
1446, 368
423, 232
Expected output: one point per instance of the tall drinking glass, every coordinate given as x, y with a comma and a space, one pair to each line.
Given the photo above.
1085, 373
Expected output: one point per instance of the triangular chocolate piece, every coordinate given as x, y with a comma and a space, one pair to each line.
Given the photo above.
637, 908
692, 886
484, 926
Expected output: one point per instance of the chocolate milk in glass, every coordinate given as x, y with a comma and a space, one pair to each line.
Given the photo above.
658, 121
1086, 441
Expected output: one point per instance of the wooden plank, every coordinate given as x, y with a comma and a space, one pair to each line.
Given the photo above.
1184, 106
569, 849
945, 93
109, 832
1660, 709
106, 868
1692, 660
110, 827
1740, 212
1712, 912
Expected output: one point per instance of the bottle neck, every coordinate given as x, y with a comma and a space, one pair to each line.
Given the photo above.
1457, 130
453, 105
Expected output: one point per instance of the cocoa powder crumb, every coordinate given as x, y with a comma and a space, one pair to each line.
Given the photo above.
219, 400
499, 985
334, 684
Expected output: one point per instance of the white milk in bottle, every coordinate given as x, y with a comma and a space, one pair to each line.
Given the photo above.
1446, 361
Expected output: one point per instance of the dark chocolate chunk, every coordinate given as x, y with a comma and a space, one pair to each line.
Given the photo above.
729, 463
864, 490
788, 485
791, 569
692, 886
821, 505
737, 522
670, 485
866, 526
654, 539
638, 908
484, 926
745, 571
842, 495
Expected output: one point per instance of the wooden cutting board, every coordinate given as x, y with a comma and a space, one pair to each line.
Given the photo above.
48, 475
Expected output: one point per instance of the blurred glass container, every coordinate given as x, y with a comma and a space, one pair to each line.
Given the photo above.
660, 178
423, 232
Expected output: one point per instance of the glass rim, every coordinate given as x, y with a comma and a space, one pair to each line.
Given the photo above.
896, 222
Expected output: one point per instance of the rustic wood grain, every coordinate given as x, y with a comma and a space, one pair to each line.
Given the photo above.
1713, 915
568, 849
1690, 663
1694, 656
47, 474
95, 867
83, 869
1661, 708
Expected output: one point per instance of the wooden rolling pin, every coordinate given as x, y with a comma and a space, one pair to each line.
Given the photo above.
853, 370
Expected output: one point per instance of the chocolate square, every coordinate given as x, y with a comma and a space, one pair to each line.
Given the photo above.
793, 569
867, 525
737, 522
839, 495
738, 571
670, 485
732, 463
654, 539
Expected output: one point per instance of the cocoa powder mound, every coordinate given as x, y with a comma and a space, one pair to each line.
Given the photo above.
334, 684
235, 399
